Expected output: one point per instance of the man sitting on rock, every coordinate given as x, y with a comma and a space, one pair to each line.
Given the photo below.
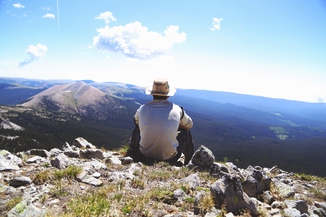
162, 130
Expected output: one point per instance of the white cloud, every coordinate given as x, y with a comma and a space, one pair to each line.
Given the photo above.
106, 16
216, 24
49, 16
135, 41
18, 5
35, 53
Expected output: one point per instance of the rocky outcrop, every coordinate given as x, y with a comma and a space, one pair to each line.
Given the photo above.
5, 124
202, 188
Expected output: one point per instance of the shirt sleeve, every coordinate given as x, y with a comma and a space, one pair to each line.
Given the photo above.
136, 117
186, 121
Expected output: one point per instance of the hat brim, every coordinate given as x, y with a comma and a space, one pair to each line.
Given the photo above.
149, 91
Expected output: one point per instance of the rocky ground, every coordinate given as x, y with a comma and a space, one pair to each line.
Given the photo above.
81, 180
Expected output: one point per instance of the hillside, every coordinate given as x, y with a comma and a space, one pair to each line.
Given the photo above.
15, 91
251, 131
82, 180
73, 98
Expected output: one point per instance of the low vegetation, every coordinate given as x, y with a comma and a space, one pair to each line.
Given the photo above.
318, 191
149, 193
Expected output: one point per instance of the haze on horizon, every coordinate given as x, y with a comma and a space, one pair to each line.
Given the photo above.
266, 48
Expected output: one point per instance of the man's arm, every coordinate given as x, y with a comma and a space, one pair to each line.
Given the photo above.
136, 117
186, 121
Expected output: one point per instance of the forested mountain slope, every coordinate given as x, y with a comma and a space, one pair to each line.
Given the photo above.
244, 129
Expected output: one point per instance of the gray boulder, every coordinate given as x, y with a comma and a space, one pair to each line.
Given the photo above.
20, 181
228, 192
218, 170
193, 181
203, 157
268, 197
36, 159
199, 197
178, 194
321, 205
72, 153
256, 183
285, 190
9, 161
55, 152
60, 161
300, 205
292, 212
88, 179
66, 147
126, 160
40, 152
91, 153
94, 165
25, 209
82, 143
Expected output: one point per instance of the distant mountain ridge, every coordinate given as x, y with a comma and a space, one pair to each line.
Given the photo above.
78, 97
315, 111
67, 97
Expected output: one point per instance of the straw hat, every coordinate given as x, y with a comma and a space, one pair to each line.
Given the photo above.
160, 87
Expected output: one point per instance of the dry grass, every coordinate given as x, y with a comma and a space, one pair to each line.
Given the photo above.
149, 193
319, 188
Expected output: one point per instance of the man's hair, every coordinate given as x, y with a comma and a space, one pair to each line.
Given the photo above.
155, 97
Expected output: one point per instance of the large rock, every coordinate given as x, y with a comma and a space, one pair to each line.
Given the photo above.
82, 143
93, 165
193, 181
60, 161
25, 209
228, 192
91, 153
300, 205
218, 170
20, 181
40, 152
54, 152
72, 153
36, 159
203, 157
88, 179
256, 183
9, 161
284, 189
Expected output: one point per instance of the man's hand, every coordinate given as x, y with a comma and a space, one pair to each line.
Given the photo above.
183, 127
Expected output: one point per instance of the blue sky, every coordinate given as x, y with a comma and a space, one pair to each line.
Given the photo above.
273, 48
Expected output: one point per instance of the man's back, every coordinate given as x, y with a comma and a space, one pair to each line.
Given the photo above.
158, 122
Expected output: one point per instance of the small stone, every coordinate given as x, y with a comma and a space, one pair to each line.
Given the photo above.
20, 181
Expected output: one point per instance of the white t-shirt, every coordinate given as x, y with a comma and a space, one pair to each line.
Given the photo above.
158, 122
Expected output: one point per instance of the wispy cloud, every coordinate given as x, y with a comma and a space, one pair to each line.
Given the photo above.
58, 14
49, 16
136, 41
216, 24
35, 53
45, 8
107, 16
18, 5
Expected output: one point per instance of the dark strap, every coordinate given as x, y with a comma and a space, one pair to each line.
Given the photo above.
183, 112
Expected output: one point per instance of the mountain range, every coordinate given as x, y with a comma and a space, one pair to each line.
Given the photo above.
244, 129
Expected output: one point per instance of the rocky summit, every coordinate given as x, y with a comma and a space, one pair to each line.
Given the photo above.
82, 180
